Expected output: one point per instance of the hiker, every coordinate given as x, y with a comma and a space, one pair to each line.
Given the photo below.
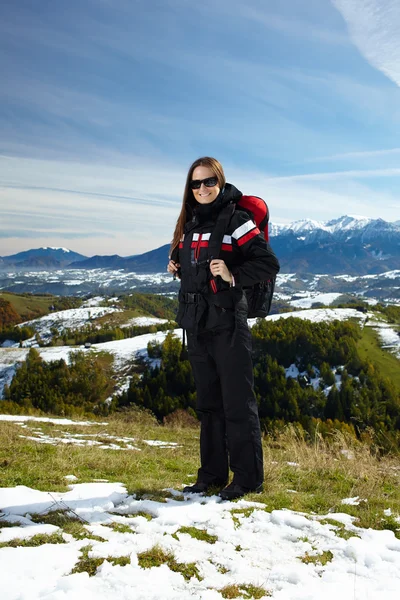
213, 312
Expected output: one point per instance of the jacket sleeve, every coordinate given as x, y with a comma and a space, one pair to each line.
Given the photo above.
259, 261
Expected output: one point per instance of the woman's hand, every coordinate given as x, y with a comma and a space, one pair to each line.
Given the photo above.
218, 267
173, 267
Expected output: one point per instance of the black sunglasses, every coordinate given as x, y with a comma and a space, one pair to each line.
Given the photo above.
195, 184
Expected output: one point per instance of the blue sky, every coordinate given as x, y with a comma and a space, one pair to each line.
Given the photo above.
104, 104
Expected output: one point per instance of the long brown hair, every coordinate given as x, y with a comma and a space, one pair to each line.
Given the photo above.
189, 199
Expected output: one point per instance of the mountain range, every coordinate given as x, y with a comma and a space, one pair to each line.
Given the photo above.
349, 244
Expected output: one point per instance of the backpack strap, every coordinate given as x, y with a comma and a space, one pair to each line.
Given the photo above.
220, 228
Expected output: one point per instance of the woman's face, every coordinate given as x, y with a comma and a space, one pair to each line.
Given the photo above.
204, 194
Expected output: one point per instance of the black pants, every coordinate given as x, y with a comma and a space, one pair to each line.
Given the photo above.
230, 428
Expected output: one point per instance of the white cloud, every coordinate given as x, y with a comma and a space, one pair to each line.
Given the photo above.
374, 27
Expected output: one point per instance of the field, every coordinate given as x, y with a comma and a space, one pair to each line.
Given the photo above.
312, 477
30, 306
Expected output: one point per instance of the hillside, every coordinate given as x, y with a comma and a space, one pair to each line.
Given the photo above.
312, 383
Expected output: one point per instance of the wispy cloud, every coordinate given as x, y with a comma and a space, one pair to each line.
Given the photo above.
364, 154
335, 175
374, 27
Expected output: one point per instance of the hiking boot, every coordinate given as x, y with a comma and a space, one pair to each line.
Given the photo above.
234, 490
201, 487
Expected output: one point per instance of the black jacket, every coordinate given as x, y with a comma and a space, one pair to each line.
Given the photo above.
206, 302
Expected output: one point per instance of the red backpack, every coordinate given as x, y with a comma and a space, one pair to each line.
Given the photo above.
258, 209
259, 295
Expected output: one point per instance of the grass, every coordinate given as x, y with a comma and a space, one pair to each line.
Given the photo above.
339, 529
90, 564
68, 522
323, 478
29, 307
317, 559
369, 347
120, 527
198, 534
140, 513
120, 318
243, 512
243, 591
36, 540
4, 524
156, 556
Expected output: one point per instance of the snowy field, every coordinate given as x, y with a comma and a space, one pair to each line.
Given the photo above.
73, 318
277, 551
318, 315
307, 299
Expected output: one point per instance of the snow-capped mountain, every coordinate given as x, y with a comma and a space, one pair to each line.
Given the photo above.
47, 256
349, 244
346, 223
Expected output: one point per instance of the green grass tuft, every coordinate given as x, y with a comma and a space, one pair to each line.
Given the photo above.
155, 557
37, 540
244, 512
339, 529
120, 527
141, 513
243, 591
321, 559
68, 522
4, 524
87, 564
90, 565
198, 534
122, 561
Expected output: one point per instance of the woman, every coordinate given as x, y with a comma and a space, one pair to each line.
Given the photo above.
213, 311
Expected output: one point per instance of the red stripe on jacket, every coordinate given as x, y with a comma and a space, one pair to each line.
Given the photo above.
203, 244
248, 236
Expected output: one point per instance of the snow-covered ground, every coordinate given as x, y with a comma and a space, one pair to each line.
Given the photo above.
72, 318
54, 421
259, 548
144, 321
307, 299
318, 315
